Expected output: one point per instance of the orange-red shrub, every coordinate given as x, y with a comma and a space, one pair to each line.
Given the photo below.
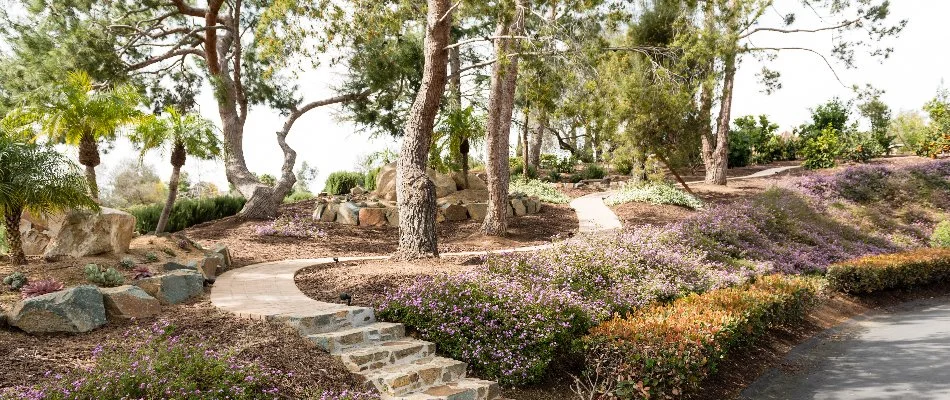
890, 271
665, 350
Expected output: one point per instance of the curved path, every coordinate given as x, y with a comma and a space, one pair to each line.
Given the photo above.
902, 354
399, 367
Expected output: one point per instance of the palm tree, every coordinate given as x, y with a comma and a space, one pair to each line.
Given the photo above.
36, 178
78, 113
186, 134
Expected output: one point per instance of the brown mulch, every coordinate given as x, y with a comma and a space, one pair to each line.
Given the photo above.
27, 358
368, 282
636, 214
343, 240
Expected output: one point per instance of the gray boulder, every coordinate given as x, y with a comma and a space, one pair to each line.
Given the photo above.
84, 233
518, 207
225, 254
348, 214
477, 211
129, 301
78, 309
174, 287
175, 266
454, 212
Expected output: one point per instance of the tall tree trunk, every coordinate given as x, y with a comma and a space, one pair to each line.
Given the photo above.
455, 88
500, 107
177, 161
11, 222
537, 140
524, 149
718, 163
89, 158
415, 192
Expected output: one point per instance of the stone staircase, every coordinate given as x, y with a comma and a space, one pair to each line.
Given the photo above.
399, 367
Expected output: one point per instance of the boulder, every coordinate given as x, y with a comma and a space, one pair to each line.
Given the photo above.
174, 287
444, 184
78, 309
477, 211
329, 214
34, 238
209, 265
375, 216
129, 301
348, 214
474, 182
386, 182
225, 253
357, 191
533, 205
466, 196
318, 210
454, 212
85, 233
517, 206
175, 266
392, 216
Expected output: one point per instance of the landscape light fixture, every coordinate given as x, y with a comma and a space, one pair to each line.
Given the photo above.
346, 297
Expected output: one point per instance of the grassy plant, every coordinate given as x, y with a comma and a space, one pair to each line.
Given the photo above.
654, 193
151, 257
186, 213
341, 182
891, 271
535, 188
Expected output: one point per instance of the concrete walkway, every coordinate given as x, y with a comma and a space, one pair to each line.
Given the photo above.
593, 215
901, 354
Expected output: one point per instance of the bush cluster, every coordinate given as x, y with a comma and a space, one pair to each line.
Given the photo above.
654, 193
160, 366
341, 182
105, 278
591, 171
890, 271
561, 165
186, 213
516, 168
298, 195
369, 183
665, 350
542, 190
941, 235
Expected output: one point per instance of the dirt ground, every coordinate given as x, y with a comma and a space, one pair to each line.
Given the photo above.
27, 358
248, 248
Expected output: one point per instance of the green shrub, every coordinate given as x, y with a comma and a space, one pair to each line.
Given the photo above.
298, 195
623, 165
15, 280
890, 271
160, 365
369, 183
593, 171
105, 278
341, 182
554, 176
654, 193
665, 351
821, 150
535, 188
564, 165
941, 235
862, 147
516, 168
151, 257
186, 213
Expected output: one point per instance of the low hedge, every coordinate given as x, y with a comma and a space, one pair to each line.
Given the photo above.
891, 271
186, 212
666, 350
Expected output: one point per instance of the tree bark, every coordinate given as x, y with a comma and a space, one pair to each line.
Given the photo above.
524, 150
537, 140
718, 163
415, 192
89, 158
500, 107
455, 88
177, 161
11, 222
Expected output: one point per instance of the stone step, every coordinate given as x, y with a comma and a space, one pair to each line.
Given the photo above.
375, 333
335, 318
417, 376
463, 389
361, 359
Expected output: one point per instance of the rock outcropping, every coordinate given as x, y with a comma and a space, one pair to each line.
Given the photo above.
78, 309
77, 233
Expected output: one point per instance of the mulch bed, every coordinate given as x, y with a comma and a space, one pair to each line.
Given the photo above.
27, 358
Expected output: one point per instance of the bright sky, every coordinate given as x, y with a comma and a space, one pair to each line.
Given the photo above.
918, 66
